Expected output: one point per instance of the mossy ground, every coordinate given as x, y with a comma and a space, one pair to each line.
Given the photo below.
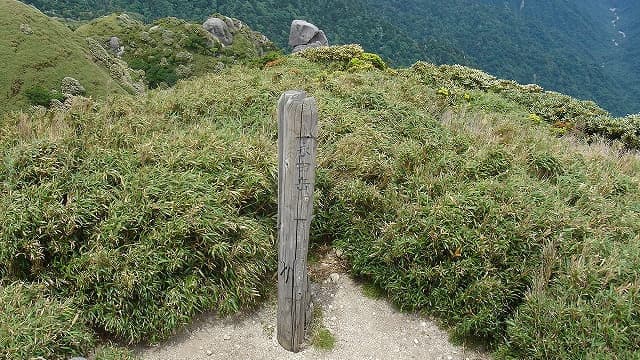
147, 211
321, 337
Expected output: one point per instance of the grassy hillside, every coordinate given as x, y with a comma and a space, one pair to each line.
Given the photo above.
170, 49
38, 51
448, 189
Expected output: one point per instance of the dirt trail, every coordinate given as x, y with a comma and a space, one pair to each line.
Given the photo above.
364, 328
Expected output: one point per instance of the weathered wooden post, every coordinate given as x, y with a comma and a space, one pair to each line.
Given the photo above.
297, 133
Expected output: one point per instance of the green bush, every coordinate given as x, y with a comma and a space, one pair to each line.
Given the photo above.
346, 57
33, 324
326, 54
38, 95
357, 65
147, 211
626, 130
562, 111
269, 57
375, 60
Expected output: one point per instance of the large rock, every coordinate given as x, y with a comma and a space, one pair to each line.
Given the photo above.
304, 35
301, 32
72, 87
26, 29
116, 46
219, 29
320, 38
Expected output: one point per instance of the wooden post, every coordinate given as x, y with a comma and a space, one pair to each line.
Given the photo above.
297, 133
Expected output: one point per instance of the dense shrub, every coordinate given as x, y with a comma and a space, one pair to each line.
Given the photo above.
344, 57
341, 53
625, 129
148, 211
32, 324
562, 111
38, 95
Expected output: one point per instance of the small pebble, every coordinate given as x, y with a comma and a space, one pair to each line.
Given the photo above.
415, 341
334, 277
226, 337
209, 352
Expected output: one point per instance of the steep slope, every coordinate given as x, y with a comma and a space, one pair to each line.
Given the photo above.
38, 51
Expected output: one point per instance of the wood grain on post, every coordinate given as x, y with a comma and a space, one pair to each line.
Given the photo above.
297, 133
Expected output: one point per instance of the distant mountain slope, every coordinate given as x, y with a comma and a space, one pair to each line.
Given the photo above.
628, 28
38, 51
565, 45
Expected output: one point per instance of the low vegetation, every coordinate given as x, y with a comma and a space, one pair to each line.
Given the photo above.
453, 198
321, 337
170, 49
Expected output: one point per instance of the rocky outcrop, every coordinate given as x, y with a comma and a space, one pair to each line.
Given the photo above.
305, 35
116, 46
118, 69
26, 29
226, 29
72, 87
219, 29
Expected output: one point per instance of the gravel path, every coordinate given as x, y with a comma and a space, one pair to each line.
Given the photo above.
364, 328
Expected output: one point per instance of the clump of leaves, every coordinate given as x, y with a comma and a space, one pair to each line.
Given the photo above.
545, 166
339, 53
345, 57
626, 130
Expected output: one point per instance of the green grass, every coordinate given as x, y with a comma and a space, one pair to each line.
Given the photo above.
147, 211
114, 353
321, 337
372, 291
33, 323
44, 57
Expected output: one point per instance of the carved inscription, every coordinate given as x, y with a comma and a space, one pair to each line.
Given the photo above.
297, 128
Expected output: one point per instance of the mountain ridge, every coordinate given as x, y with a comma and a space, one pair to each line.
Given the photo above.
563, 45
